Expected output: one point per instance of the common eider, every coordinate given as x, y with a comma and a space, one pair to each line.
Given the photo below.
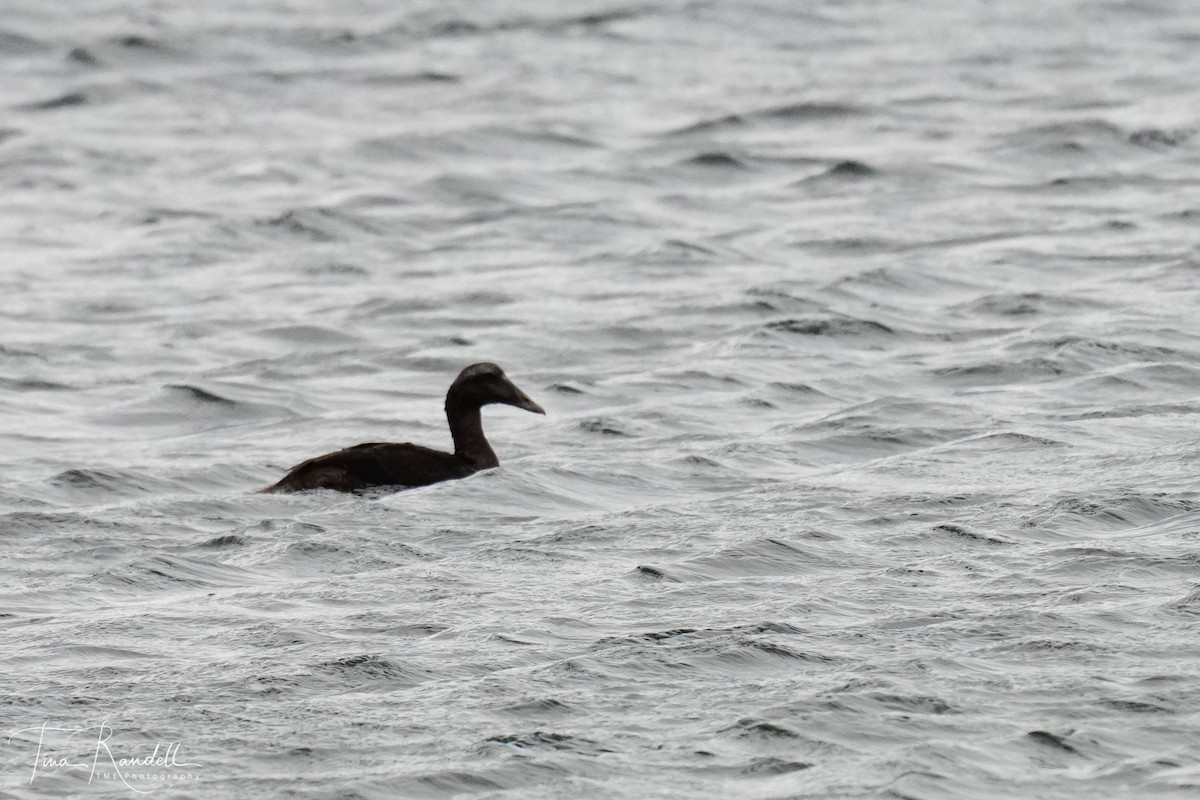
406, 465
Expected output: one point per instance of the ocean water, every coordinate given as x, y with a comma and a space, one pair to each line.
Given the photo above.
869, 339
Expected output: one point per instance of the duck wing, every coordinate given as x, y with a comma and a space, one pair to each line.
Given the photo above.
374, 464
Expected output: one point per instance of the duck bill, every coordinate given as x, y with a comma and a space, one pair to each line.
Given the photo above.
522, 400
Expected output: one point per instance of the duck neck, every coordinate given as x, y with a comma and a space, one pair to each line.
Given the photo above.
466, 427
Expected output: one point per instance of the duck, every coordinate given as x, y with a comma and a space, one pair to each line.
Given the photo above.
405, 465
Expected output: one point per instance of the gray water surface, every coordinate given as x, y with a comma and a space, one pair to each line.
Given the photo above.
868, 337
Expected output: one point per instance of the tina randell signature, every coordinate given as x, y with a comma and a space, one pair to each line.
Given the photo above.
159, 765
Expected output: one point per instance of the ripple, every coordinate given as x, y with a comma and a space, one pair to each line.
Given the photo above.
716, 160
161, 573
789, 113
18, 44
318, 225
831, 326
68, 100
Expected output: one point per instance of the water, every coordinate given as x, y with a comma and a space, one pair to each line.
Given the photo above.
867, 334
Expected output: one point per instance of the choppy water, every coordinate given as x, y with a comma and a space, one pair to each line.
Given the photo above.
867, 331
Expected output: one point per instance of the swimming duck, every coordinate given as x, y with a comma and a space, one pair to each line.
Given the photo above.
407, 465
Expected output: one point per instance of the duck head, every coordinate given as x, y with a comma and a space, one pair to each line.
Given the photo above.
483, 384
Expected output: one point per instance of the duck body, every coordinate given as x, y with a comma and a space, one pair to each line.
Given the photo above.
374, 464
406, 465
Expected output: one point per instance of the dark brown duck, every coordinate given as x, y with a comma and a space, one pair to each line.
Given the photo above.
407, 465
